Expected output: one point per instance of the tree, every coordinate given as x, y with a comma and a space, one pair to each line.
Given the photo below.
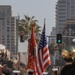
26, 24
52, 48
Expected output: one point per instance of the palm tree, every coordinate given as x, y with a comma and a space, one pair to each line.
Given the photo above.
26, 24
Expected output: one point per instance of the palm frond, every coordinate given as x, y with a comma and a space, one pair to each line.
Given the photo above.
35, 20
26, 25
33, 17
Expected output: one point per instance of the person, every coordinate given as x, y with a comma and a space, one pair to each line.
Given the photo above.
1, 73
7, 71
68, 69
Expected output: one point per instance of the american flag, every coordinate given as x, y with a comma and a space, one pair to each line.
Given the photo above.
43, 59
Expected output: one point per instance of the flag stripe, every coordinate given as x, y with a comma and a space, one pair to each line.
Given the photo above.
46, 57
41, 61
39, 67
45, 52
48, 62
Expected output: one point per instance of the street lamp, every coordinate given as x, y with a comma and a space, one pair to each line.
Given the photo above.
73, 40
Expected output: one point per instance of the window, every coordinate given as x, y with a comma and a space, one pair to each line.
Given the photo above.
8, 47
62, 9
69, 29
72, 6
62, 16
3, 42
69, 25
12, 47
3, 22
60, 28
12, 18
62, 6
61, 24
74, 34
2, 36
8, 40
62, 13
8, 21
61, 20
3, 28
69, 34
3, 14
8, 11
12, 21
12, 27
68, 2
12, 39
8, 35
12, 30
3, 39
12, 24
8, 29
62, 2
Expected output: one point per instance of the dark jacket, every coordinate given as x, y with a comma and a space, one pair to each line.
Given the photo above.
68, 69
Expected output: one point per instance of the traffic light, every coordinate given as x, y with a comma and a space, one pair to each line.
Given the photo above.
59, 38
21, 37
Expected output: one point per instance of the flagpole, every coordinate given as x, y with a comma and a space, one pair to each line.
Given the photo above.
44, 21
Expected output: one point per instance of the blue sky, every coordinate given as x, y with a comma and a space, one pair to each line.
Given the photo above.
39, 8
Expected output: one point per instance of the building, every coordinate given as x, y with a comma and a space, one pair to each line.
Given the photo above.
65, 9
23, 57
8, 35
69, 30
53, 33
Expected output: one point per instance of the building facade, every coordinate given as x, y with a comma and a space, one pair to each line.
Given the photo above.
69, 30
52, 39
23, 57
8, 35
65, 9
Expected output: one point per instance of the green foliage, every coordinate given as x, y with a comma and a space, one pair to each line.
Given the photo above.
52, 48
26, 24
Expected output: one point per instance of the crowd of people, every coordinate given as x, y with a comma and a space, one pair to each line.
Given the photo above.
4, 70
